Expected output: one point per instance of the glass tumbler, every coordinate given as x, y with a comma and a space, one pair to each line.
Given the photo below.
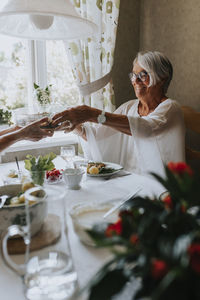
68, 153
48, 272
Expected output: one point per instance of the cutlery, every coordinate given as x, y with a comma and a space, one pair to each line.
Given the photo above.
3, 200
114, 208
18, 168
120, 174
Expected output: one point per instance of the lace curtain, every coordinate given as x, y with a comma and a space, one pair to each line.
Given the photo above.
92, 59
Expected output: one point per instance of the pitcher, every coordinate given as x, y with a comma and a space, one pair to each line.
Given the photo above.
48, 272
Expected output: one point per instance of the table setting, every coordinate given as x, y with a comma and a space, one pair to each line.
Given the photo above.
84, 200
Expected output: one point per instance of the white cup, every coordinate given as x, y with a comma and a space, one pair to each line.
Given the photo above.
73, 177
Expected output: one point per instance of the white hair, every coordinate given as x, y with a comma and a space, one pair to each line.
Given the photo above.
157, 65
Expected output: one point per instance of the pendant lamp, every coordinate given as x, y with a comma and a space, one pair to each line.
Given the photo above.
43, 20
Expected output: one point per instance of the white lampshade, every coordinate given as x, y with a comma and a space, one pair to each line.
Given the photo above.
43, 20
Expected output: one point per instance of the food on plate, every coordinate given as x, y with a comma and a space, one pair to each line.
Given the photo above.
94, 168
26, 186
20, 197
12, 174
54, 175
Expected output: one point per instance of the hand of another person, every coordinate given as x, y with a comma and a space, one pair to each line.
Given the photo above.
9, 130
34, 132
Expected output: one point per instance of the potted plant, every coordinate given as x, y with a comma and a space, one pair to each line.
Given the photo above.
156, 241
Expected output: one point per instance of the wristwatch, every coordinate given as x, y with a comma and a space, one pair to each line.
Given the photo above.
101, 118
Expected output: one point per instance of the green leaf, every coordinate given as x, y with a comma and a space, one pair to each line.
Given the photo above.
35, 86
110, 284
27, 164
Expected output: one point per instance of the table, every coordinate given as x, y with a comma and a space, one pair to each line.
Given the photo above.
87, 260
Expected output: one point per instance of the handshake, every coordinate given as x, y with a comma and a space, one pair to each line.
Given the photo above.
49, 125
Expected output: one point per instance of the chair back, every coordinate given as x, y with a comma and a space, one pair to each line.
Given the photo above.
192, 123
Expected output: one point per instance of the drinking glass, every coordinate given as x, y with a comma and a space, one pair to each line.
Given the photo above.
48, 272
68, 153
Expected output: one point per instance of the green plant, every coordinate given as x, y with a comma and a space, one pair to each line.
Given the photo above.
39, 165
5, 117
155, 240
43, 95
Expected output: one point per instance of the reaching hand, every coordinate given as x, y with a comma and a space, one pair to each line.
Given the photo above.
34, 132
70, 118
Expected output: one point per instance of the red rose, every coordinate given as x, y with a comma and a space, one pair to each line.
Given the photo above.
134, 239
168, 202
159, 268
113, 229
180, 168
194, 253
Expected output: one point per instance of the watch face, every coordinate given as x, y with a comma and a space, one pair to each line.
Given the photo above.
101, 118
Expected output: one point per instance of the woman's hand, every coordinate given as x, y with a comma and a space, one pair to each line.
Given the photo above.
10, 129
70, 118
34, 132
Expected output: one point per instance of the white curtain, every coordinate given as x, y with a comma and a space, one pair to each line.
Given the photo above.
92, 59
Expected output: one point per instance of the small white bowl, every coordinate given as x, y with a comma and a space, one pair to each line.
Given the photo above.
85, 215
16, 215
73, 177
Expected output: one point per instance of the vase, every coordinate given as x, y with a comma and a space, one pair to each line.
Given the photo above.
44, 108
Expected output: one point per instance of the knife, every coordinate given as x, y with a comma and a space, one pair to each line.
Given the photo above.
120, 203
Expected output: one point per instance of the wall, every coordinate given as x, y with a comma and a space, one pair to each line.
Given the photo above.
169, 26
173, 27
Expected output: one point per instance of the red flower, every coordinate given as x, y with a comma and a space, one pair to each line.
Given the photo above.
113, 229
134, 239
179, 168
168, 202
194, 253
159, 268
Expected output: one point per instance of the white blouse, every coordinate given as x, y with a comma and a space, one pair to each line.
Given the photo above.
156, 139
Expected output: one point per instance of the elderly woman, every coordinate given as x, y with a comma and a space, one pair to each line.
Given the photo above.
32, 132
143, 134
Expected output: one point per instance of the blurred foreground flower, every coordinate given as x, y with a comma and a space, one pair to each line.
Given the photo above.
160, 241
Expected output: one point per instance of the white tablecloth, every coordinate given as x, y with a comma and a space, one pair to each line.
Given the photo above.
87, 260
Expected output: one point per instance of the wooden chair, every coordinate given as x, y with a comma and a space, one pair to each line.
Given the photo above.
192, 122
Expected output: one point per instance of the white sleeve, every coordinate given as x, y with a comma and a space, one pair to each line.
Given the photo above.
146, 132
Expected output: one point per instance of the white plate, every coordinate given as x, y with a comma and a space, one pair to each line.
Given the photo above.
108, 165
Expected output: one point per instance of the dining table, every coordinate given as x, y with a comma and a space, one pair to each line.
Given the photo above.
87, 259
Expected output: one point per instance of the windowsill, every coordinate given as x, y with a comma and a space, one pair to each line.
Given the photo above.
46, 145
59, 138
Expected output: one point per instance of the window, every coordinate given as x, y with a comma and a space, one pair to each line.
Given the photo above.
59, 75
24, 62
13, 72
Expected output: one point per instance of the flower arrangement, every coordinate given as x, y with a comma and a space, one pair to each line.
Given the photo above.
43, 95
156, 241
5, 117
